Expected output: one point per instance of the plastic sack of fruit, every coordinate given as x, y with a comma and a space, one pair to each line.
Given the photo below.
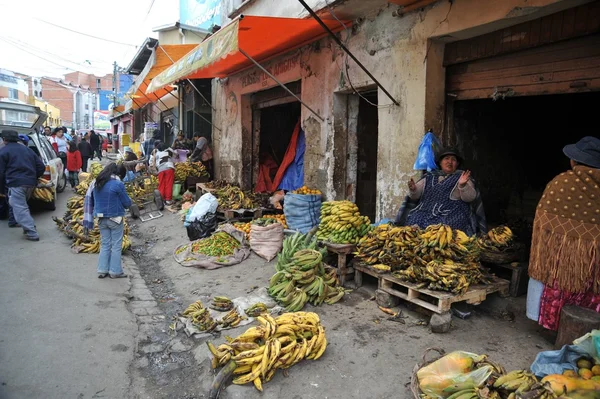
452, 373
590, 343
556, 362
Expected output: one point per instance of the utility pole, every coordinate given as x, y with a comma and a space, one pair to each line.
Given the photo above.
115, 70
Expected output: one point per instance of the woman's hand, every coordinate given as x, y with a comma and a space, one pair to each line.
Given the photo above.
411, 185
464, 178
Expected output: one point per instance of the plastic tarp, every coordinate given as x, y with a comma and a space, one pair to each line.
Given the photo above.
555, 362
294, 175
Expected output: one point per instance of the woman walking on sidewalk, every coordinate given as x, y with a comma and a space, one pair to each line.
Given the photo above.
166, 172
74, 164
107, 199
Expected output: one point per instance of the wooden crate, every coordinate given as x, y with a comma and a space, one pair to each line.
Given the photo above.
359, 269
342, 251
516, 272
440, 301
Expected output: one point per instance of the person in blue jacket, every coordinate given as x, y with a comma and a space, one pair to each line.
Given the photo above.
20, 169
107, 200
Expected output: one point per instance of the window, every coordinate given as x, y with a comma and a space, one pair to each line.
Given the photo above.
98, 83
35, 93
13, 94
87, 106
40, 94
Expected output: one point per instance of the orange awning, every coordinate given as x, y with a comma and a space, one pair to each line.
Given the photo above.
164, 56
260, 37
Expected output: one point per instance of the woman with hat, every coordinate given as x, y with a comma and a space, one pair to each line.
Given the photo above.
564, 263
445, 196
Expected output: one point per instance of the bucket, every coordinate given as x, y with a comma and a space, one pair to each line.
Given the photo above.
177, 191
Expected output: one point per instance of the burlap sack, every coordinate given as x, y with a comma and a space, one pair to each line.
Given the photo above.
266, 241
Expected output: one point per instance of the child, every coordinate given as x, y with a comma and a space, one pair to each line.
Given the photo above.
74, 164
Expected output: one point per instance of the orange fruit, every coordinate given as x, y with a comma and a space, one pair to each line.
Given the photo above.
596, 370
570, 373
586, 374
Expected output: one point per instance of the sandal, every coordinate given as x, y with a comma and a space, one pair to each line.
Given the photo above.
102, 275
122, 275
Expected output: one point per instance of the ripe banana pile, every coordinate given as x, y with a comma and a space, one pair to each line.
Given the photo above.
341, 223
95, 170
45, 194
521, 384
303, 278
388, 245
232, 197
440, 241
304, 190
275, 344
231, 319
221, 303
183, 170
72, 222
200, 317
256, 310
498, 239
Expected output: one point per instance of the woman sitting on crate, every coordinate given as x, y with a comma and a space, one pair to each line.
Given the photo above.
166, 172
107, 199
564, 263
446, 196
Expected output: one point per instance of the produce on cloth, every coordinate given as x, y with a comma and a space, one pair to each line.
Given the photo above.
498, 239
200, 317
463, 375
304, 190
183, 170
72, 225
256, 310
221, 303
582, 381
231, 319
219, 244
275, 344
301, 276
341, 223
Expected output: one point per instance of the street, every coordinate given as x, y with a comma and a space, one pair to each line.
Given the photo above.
65, 333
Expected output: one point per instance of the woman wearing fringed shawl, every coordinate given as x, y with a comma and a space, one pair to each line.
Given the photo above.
564, 264
446, 196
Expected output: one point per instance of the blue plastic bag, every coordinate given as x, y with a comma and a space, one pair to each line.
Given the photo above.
426, 156
555, 362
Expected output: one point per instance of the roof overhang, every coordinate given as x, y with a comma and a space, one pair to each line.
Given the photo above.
141, 57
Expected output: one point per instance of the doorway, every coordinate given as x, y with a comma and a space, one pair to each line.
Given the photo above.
367, 142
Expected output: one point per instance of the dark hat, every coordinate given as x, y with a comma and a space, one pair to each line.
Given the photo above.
10, 135
585, 151
56, 129
449, 151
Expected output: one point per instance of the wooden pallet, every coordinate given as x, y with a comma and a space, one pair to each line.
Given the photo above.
440, 301
237, 214
359, 269
342, 251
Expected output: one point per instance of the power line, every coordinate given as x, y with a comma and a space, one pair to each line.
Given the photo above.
36, 55
86, 34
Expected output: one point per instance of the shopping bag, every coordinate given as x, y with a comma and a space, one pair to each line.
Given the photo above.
426, 155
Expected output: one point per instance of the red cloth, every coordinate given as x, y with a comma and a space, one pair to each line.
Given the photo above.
74, 162
53, 142
553, 300
265, 183
288, 159
166, 178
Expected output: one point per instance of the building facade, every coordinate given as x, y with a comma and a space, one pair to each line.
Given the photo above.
13, 88
77, 103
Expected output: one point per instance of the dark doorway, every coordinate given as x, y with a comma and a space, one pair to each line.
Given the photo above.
277, 125
368, 137
514, 148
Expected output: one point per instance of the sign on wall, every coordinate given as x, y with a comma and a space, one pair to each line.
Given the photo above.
203, 14
101, 120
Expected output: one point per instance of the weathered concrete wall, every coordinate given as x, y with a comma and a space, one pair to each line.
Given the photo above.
403, 54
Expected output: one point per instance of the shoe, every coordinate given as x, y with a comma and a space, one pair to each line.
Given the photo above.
122, 275
168, 202
102, 275
32, 238
14, 225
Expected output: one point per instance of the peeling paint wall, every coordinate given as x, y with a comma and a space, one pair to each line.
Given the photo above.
404, 54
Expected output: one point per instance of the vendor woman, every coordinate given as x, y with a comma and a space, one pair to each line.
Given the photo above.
445, 196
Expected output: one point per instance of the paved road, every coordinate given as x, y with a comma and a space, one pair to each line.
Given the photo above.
64, 333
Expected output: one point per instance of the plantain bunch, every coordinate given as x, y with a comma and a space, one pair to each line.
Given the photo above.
389, 245
183, 170
341, 223
498, 239
278, 343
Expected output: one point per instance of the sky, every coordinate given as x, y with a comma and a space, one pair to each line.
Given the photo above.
48, 38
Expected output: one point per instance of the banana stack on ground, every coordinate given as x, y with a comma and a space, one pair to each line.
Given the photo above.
183, 170
256, 310
498, 239
341, 223
231, 319
95, 170
275, 344
221, 303
389, 245
303, 278
200, 317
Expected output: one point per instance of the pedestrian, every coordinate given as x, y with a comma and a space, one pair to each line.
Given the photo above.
85, 148
95, 143
52, 138
203, 152
148, 145
107, 200
74, 164
74, 137
20, 169
166, 172
47, 131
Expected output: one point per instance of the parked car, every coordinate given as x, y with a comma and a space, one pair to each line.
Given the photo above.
27, 119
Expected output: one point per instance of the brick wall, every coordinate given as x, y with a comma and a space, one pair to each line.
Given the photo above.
60, 97
91, 81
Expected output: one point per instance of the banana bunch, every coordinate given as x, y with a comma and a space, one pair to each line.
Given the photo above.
341, 223
498, 239
275, 344
221, 303
305, 279
183, 170
75, 202
256, 310
444, 275
200, 316
520, 384
231, 319
232, 197
280, 218
304, 190
293, 244
440, 241
382, 268
389, 245
95, 170
45, 194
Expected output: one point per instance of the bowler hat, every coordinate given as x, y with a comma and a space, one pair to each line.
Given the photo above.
586, 151
10, 135
449, 151
128, 149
